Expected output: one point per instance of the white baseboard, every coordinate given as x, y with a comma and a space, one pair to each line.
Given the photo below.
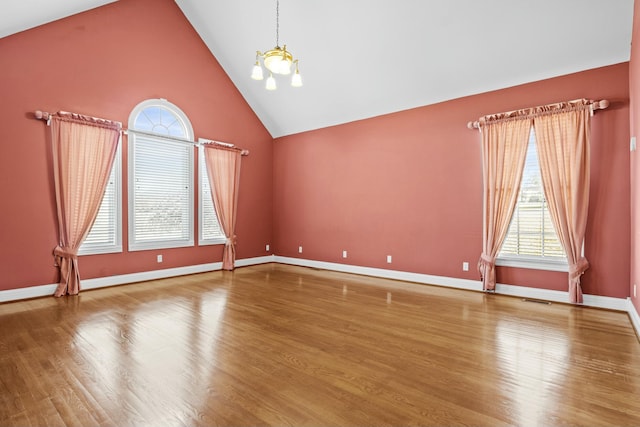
26, 293
101, 282
598, 301
609, 303
634, 316
532, 293
254, 261
472, 285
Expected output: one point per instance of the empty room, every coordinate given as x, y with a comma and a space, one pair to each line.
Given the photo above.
319, 213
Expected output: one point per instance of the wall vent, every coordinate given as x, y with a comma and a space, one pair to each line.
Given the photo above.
538, 301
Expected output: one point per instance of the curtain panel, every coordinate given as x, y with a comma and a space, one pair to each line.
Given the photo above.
84, 149
223, 170
504, 148
563, 137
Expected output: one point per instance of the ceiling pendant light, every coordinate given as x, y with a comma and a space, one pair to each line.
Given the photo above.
277, 61
271, 83
296, 80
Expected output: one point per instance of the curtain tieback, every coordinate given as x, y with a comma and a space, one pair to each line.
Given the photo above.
485, 261
60, 252
576, 270
231, 241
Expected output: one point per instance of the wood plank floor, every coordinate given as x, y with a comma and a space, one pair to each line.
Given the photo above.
283, 345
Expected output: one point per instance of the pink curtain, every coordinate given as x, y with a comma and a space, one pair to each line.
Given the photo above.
84, 149
223, 169
504, 148
563, 139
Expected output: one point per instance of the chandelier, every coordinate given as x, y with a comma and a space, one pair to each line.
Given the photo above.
277, 61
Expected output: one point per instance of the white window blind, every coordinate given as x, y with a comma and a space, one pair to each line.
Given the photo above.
210, 230
161, 178
531, 234
105, 233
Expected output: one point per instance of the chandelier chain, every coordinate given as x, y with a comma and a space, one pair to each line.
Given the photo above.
278, 23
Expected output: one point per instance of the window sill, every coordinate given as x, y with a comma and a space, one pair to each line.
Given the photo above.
219, 241
533, 263
100, 250
148, 246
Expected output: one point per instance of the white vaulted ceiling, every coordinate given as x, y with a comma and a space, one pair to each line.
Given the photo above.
363, 58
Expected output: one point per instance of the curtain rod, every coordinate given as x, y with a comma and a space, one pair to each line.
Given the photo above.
188, 141
595, 105
43, 115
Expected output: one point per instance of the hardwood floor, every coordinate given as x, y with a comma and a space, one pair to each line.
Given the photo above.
283, 345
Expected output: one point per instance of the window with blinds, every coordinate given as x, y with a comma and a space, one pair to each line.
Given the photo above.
531, 235
106, 231
160, 177
210, 231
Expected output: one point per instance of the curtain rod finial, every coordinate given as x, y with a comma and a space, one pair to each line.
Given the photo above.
472, 125
42, 115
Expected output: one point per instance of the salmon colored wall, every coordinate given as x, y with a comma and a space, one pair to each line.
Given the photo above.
103, 63
409, 185
634, 95
406, 184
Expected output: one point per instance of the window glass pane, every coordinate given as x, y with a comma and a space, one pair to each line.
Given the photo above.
162, 190
210, 230
104, 236
161, 121
144, 123
531, 231
102, 231
176, 129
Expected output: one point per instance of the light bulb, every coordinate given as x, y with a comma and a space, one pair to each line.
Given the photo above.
284, 67
273, 63
296, 80
256, 74
271, 83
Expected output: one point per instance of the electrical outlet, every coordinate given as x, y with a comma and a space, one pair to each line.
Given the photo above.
299, 249
388, 259
634, 291
632, 144
344, 254
159, 258
266, 248
465, 266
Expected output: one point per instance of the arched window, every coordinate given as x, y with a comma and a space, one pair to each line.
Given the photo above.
161, 196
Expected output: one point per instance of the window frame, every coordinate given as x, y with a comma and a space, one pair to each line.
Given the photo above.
202, 175
531, 261
117, 182
164, 139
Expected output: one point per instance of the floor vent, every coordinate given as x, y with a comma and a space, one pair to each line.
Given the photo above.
538, 301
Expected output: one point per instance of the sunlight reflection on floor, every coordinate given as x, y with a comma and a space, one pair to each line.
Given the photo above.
131, 348
535, 357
